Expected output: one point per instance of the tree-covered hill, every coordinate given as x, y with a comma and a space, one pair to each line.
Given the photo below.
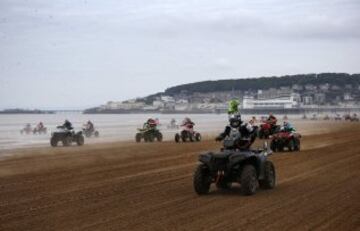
339, 79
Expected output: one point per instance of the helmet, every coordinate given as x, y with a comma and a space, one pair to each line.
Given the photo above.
235, 120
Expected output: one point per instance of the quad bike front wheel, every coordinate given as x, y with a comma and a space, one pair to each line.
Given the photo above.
248, 180
269, 180
53, 142
202, 180
97, 134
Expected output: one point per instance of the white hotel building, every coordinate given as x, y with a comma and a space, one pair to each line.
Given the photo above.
283, 102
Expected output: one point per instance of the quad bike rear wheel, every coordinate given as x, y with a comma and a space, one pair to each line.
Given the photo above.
248, 180
159, 137
97, 134
269, 176
202, 180
53, 142
297, 145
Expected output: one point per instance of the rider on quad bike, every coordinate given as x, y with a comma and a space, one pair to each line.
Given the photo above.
248, 131
40, 128
187, 132
236, 162
187, 123
269, 127
68, 125
149, 132
89, 130
287, 127
90, 126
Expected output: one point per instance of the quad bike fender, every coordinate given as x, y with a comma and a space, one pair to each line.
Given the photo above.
206, 159
79, 133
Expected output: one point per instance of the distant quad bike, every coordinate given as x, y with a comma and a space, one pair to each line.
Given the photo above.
187, 135
67, 137
249, 168
288, 140
148, 135
267, 129
90, 132
40, 131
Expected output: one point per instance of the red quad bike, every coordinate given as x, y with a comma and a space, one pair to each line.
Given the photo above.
267, 129
187, 134
282, 140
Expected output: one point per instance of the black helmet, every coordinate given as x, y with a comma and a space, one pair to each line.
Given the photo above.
235, 120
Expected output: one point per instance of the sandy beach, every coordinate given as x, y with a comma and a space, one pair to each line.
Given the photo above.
129, 186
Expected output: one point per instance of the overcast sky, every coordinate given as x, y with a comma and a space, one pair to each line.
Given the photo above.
76, 54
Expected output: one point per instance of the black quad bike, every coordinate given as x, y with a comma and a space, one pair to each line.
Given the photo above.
250, 168
148, 135
67, 137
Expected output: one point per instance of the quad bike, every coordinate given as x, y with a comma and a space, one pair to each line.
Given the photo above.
26, 130
250, 168
67, 137
40, 130
187, 134
148, 134
267, 129
90, 132
283, 139
326, 117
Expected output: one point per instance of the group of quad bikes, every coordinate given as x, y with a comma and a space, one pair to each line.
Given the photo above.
63, 134
249, 167
347, 117
279, 139
150, 132
38, 130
